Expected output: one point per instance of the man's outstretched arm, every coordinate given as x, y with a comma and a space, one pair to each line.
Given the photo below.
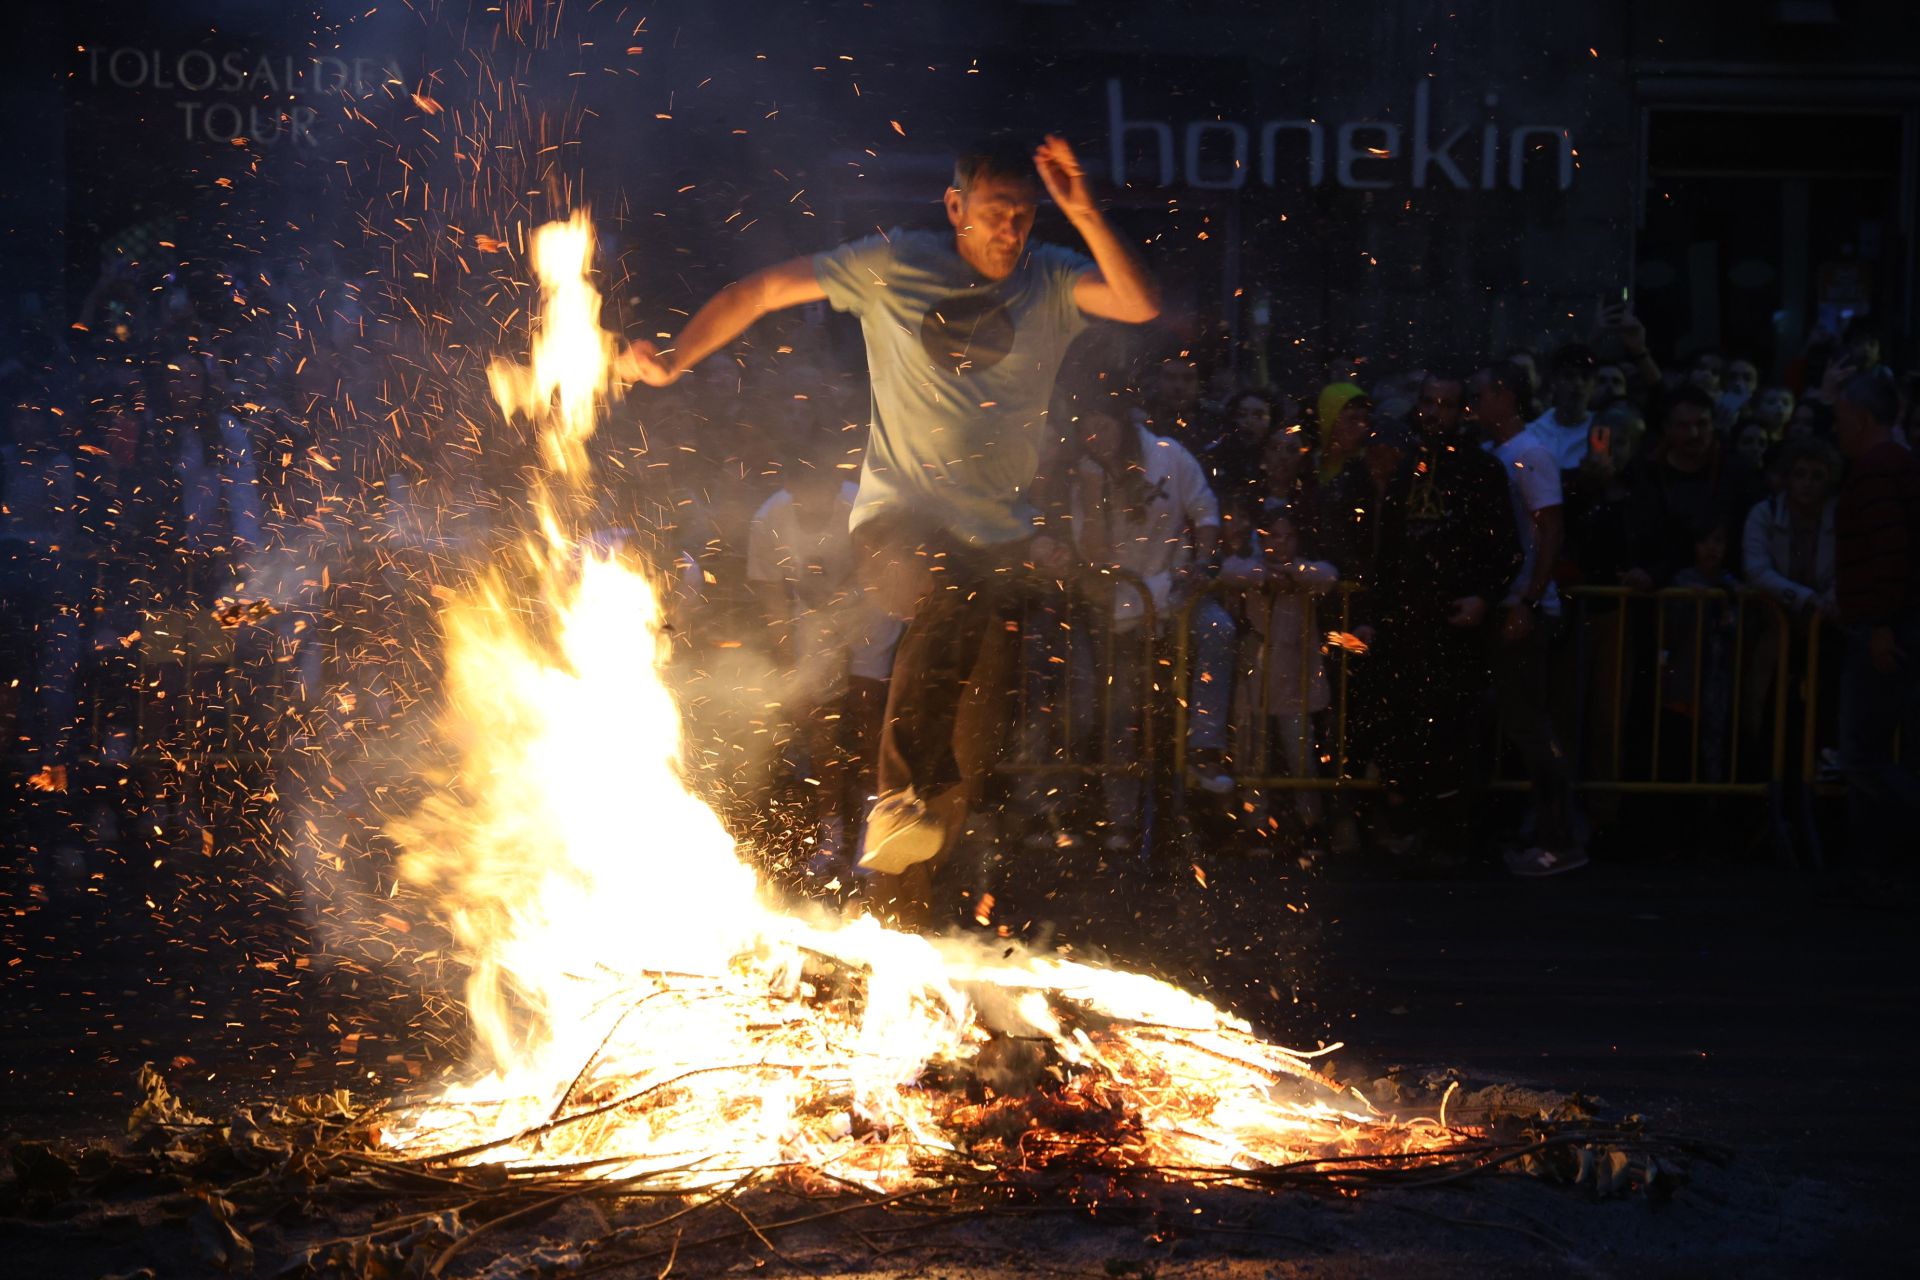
1122, 289
727, 314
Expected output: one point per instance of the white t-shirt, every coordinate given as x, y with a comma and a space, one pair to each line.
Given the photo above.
962, 370
1533, 482
1567, 443
835, 630
1156, 539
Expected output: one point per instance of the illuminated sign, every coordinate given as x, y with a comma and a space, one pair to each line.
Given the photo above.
1366, 155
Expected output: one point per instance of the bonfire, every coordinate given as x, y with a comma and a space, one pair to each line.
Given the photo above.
643, 1008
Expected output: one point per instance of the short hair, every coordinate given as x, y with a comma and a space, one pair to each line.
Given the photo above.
1096, 393
1705, 525
1510, 377
1000, 155
1808, 449
1685, 394
1577, 356
1860, 327
1874, 391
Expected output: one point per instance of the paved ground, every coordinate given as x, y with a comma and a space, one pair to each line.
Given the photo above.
1773, 1013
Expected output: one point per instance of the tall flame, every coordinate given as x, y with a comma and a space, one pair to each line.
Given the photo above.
636, 1004
566, 383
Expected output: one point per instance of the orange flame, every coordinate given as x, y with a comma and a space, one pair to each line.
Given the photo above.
637, 1005
566, 383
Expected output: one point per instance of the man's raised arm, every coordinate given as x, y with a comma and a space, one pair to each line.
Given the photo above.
1122, 289
727, 314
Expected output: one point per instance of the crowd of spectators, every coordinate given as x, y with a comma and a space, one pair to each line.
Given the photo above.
1574, 565
1243, 595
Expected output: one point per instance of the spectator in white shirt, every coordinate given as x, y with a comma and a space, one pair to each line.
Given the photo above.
1787, 551
1788, 548
1563, 429
1530, 611
1141, 504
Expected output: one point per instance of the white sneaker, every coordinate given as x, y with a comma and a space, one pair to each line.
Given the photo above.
1545, 862
1212, 779
900, 833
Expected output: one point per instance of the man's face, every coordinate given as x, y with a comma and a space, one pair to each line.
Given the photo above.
814, 482
1525, 360
1753, 445
1440, 405
1179, 384
1101, 433
1572, 391
1689, 433
1742, 378
991, 220
1353, 425
1252, 417
1852, 426
1710, 553
1609, 385
1706, 374
1282, 459
1807, 484
1774, 409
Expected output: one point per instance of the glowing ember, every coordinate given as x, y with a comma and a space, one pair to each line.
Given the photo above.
641, 1009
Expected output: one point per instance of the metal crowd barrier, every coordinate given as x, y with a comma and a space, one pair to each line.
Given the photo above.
1315, 652
1644, 667
1696, 614
1050, 724
1678, 651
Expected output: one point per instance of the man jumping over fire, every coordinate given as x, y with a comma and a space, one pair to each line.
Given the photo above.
965, 334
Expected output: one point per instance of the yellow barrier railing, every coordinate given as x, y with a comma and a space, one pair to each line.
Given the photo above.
1683, 646
1313, 625
1692, 704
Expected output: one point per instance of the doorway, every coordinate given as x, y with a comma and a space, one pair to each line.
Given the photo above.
1763, 229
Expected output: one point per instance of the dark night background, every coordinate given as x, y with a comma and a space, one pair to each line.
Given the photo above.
213, 891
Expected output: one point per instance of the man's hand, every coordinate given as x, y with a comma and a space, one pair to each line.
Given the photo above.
1840, 370
1516, 624
1050, 555
1066, 182
641, 362
1885, 651
1467, 611
1188, 580
1618, 319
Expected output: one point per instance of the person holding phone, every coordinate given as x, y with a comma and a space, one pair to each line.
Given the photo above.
1616, 327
